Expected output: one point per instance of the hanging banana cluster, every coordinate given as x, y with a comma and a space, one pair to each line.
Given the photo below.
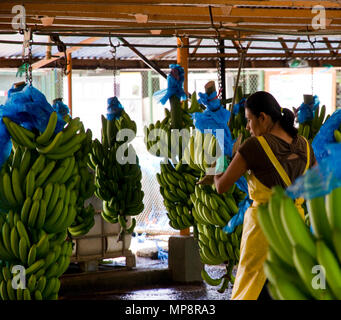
200, 151
118, 185
176, 185
238, 126
211, 208
85, 218
237, 122
40, 187
218, 247
211, 212
295, 252
158, 142
310, 128
176, 182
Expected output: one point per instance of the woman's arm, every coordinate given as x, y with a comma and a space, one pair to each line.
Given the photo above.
235, 170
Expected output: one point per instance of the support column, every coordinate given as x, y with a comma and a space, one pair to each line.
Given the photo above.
69, 81
182, 60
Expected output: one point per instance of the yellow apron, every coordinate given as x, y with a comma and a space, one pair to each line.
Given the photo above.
250, 277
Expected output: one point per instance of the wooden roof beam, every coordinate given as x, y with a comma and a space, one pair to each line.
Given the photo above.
56, 9
162, 17
272, 3
198, 44
288, 51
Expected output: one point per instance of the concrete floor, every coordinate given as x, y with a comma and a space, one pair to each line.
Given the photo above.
149, 280
164, 291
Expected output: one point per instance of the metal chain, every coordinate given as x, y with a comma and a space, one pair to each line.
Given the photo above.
217, 42
113, 52
312, 69
244, 82
220, 86
115, 84
27, 58
30, 78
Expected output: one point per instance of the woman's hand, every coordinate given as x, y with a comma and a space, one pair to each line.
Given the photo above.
208, 179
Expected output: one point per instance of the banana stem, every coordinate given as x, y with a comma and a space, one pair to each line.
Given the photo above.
175, 112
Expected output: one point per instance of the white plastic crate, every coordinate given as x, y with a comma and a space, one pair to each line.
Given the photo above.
101, 242
113, 246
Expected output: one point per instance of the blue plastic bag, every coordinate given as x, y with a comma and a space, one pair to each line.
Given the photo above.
162, 254
114, 109
325, 136
61, 108
27, 107
5, 143
237, 106
326, 176
306, 112
321, 179
238, 218
175, 82
214, 117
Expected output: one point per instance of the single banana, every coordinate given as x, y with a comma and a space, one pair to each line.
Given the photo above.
296, 229
49, 130
327, 259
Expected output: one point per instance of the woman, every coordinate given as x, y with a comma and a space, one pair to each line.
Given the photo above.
273, 155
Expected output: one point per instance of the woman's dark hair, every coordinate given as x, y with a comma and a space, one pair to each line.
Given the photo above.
262, 101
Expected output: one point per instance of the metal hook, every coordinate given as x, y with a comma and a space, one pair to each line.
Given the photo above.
114, 47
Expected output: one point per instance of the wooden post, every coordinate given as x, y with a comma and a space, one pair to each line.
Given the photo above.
182, 60
222, 71
69, 81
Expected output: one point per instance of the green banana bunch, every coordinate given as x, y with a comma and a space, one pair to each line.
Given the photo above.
195, 105
294, 251
118, 185
310, 128
211, 208
218, 247
85, 220
45, 261
158, 135
87, 174
201, 150
86, 188
237, 122
176, 186
40, 187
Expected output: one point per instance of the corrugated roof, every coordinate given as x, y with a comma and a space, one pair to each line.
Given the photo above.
269, 50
